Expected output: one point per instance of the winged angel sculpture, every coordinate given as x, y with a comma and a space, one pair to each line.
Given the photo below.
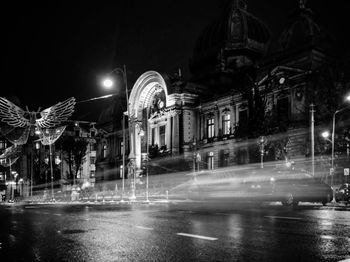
49, 118
28, 121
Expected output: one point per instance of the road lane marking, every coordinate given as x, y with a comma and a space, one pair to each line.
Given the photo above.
327, 237
345, 260
146, 228
58, 214
224, 214
278, 217
197, 236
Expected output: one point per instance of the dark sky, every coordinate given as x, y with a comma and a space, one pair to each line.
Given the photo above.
55, 50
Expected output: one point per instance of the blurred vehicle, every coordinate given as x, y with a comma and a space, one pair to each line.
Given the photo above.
342, 194
293, 191
259, 185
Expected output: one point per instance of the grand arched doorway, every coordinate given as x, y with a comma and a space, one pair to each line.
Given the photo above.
148, 99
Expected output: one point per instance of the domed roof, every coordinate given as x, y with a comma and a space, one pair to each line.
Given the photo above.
302, 31
236, 30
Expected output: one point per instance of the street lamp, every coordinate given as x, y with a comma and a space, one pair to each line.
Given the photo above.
108, 83
262, 141
325, 135
333, 134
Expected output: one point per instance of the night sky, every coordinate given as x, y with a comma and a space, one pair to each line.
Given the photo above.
56, 50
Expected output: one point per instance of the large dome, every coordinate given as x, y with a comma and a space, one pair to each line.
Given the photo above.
235, 33
302, 31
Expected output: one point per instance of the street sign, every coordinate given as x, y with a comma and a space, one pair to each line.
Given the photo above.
346, 171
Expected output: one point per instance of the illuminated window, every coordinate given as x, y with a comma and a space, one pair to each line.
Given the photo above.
92, 173
121, 146
92, 147
2, 144
226, 123
104, 151
210, 127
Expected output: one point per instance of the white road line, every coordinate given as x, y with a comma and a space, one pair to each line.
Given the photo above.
292, 218
224, 214
345, 260
328, 237
58, 214
146, 228
197, 236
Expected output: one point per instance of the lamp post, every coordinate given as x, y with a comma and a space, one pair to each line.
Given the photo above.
326, 135
262, 141
194, 155
108, 83
333, 135
312, 111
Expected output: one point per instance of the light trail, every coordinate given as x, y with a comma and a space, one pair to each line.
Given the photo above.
197, 236
290, 218
145, 228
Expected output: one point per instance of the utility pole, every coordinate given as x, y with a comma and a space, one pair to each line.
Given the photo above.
312, 111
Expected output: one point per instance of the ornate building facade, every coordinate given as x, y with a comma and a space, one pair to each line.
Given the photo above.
240, 90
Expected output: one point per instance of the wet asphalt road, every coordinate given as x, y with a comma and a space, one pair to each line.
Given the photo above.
174, 232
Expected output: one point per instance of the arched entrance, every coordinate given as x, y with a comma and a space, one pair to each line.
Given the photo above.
148, 95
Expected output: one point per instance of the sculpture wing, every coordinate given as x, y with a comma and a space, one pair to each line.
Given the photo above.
12, 114
54, 115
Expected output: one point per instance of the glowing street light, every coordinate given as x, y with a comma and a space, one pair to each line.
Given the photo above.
325, 134
108, 83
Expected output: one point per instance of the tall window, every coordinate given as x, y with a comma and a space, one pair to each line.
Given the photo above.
162, 135
210, 127
121, 147
226, 123
92, 147
2, 144
104, 151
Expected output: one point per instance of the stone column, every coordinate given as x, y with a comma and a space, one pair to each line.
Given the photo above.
176, 134
232, 116
217, 122
168, 133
